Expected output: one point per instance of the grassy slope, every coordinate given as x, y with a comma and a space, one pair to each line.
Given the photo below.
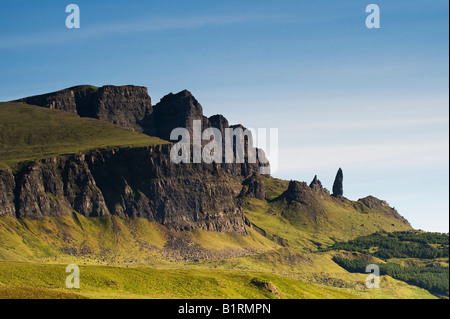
137, 282
30, 133
110, 241
138, 267
286, 222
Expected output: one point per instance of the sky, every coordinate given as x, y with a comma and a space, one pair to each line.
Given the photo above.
374, 102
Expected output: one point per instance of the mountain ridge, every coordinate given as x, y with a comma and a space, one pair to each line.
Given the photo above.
86, 177
142, 181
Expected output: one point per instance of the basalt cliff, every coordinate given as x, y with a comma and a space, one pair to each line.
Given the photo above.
130, 182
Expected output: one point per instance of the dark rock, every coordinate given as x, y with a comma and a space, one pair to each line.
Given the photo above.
373, 202
7, 186
317, 187
130, 107
316, 184
219, 122
181, 109
78, 100
304, 200
265, 285
133, 182
176, 110
127, 106
297, 191
254, 187
338, 187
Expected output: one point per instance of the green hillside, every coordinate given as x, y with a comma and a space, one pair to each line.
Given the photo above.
135, 258
294, 249
290, 224
31, 133
115, 241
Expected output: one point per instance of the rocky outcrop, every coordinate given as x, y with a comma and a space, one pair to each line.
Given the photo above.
254, 187
317, 187
316, 184
374, 203
181, 109
7, 185
176, 110
128, 106
133, 182
338, 187
298, 191
304, 199
78, 100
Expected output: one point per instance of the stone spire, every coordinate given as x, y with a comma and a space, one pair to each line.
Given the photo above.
316, 184
338, 188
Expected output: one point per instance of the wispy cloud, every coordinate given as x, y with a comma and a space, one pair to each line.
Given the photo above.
148, 25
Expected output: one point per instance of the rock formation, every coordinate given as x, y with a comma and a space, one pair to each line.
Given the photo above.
254, 187
7, 183
131, 107
317, 187
338, 187
134, 182
316, 184
176, 110
144, 182
128, 106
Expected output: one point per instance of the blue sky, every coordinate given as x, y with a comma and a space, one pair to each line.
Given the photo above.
374, 102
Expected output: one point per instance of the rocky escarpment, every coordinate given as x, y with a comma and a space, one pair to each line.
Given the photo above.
254, 187
133, 182
130, 107
140, 182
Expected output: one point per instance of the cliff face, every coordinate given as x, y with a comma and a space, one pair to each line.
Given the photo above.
140, 182
127, 106
173, 111
131, 107
134, 182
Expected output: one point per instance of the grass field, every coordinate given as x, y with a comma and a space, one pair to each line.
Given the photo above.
31, 133
133, 263
33, 280
114, 241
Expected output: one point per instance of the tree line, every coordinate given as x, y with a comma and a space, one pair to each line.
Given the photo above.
434, 279
399, 245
